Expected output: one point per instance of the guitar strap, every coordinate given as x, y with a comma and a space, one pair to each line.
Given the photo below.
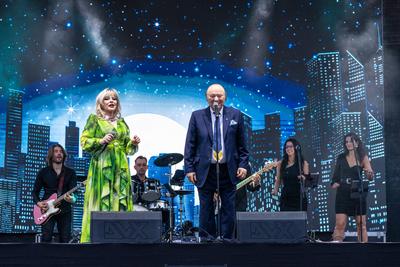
60, 183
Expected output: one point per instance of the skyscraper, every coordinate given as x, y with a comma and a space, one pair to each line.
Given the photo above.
321, 202
265, 147
376, 138
302, 132
38, 144
266, 142
13, 134
77, 209
324, 91
343, 124
375, 81
355, 91
71, 142
262, 200
8, 188
377, 191
248, 126
9, 185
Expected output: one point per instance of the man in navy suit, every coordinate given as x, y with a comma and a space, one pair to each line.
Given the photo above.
202, 154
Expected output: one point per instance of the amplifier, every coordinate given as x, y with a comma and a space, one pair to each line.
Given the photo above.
126, 227
272, 227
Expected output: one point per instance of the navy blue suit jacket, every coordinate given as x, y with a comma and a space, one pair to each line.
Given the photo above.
198, 147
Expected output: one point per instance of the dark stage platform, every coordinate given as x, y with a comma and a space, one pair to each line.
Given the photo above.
213, 254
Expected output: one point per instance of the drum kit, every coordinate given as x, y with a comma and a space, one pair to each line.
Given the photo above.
151, 195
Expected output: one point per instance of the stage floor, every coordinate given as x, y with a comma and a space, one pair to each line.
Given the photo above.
210, 254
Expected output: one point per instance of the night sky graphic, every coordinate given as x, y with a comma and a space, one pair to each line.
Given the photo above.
162, 56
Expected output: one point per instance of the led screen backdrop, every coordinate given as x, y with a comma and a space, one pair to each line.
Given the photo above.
309, 69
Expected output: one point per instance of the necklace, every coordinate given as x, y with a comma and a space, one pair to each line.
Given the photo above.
110, 119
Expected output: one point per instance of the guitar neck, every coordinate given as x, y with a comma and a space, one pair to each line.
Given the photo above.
247, 180
266, 168
60, 198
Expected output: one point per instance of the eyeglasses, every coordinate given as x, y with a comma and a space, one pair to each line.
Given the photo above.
289, 146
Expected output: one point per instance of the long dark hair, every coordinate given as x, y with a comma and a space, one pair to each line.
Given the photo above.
361, 153
50, 154
285, 158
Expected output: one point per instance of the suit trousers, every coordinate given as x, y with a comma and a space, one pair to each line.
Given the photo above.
227, 193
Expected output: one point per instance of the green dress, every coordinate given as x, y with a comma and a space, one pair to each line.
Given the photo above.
108, 186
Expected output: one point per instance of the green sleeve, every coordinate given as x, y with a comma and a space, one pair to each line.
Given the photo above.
89, 142
130, 148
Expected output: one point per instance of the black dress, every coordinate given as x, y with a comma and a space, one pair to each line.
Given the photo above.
345, 176
290, 197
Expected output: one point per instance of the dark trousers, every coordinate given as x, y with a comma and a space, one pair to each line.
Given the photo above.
63, 221
227, 194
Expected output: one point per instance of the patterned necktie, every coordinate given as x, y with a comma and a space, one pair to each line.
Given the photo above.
217, 140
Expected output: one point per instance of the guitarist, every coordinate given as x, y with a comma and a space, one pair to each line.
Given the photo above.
241, 194
56, 178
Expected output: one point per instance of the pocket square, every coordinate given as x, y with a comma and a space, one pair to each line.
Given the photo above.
233, 122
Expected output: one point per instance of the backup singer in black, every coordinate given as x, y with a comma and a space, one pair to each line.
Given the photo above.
348, 170
288, 174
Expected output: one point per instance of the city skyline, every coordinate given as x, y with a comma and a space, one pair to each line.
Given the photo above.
264, 145
307, 69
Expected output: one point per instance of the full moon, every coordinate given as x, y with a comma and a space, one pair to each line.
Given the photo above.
158, 134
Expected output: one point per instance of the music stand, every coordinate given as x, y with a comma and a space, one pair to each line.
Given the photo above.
312, 181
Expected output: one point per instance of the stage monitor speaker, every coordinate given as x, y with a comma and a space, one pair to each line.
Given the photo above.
126, 227
272, 227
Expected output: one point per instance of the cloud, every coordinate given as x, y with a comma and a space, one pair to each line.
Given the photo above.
93, 28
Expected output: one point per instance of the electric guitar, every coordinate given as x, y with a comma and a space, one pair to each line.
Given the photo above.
52, 203
267, 167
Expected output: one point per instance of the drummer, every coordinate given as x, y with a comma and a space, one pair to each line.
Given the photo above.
139, 180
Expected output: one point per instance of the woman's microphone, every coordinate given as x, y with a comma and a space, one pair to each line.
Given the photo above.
114, 134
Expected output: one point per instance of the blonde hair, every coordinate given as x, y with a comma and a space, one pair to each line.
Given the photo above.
99, 102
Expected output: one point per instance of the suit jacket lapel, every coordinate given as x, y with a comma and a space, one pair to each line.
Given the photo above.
207, 122
226, 121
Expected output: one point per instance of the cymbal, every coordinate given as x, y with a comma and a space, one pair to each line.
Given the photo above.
168, 159
183, 192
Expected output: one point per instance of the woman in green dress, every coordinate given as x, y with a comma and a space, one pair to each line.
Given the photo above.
106, 137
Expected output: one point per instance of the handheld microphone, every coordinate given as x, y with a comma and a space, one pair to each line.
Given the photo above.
114, 134
215, 108
298, 147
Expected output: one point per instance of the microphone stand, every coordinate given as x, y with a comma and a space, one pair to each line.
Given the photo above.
360, 187
217, 133
302, 186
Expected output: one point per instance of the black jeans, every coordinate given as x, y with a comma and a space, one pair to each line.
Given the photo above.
64, 221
